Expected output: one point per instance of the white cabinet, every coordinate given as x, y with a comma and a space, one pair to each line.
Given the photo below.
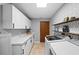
18, 19
7, 16
17, 50
23, 49
5, 44
28, 23
27, 48
13, 18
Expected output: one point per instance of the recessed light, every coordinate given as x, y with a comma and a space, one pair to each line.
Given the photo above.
41, 5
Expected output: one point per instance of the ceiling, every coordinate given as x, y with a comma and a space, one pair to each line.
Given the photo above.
32, 11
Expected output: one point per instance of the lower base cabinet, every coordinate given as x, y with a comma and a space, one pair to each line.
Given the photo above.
5, 46
23, 49
17, 50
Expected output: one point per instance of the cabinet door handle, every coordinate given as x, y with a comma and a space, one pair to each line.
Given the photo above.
23, 51
13, 25
30, 40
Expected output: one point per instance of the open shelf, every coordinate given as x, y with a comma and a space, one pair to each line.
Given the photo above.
77, 19
68, 33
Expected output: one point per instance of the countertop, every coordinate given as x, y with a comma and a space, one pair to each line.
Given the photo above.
21, 39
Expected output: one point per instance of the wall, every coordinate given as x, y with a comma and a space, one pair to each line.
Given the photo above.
69, 9
36, 28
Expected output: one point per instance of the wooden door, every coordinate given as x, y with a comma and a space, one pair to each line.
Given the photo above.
44, 30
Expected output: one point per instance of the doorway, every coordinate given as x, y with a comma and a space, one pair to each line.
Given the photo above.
44, 30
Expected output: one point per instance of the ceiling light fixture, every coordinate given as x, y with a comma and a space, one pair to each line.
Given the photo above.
39, 5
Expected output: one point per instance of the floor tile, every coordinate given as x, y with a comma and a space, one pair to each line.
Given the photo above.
38, 49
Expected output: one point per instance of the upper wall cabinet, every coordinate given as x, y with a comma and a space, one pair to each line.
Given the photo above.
28, 23
14, 19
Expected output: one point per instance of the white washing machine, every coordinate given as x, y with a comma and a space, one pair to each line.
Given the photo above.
47, 45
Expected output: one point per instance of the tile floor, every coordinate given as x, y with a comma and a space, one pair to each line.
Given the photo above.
38, 49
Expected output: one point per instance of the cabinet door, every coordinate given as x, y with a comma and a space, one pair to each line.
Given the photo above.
23, 20
28, 47
28, 23
30, 44
26, 52
7, 16
18, 19
5, 46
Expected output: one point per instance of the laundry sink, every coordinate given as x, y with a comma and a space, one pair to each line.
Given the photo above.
53, 38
